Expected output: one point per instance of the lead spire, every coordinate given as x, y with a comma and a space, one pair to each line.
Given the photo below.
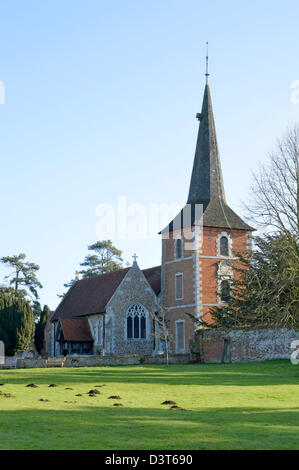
206, 180
206, 185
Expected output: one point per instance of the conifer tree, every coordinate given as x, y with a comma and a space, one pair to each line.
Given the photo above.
105, 258
265, 293
37, 310
40, 328
23, 275
16, 323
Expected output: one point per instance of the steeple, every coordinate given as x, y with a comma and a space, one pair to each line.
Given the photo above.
206, 186
206, 180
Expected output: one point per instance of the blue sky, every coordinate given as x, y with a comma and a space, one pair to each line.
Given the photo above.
101, 98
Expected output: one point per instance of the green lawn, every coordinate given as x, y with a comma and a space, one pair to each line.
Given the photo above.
231, 406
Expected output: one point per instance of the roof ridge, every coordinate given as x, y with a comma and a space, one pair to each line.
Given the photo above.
87, 298
113, 272
153, 267
102, 275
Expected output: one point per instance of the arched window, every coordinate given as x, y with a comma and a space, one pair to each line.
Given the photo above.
225, 291
224, 248
136, 322
178, 248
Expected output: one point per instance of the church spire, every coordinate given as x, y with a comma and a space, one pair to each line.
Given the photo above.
206, 181
206, 186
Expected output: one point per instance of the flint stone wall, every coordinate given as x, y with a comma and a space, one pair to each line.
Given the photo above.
133, 289
247, 345
95, 361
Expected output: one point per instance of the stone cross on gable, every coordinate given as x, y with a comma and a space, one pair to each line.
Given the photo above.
135, 258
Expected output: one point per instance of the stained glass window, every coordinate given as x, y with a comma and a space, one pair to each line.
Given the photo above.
136, 322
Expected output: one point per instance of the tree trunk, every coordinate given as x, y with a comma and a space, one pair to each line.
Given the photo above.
166, 344
17, 280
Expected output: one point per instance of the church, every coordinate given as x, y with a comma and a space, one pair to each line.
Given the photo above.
114, 313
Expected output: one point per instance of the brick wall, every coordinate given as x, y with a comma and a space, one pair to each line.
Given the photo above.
210, 259
200, 276
178, 310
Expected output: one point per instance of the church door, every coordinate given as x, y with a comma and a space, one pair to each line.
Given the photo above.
226, 354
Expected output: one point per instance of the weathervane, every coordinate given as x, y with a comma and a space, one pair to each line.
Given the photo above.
207, 63
199, 115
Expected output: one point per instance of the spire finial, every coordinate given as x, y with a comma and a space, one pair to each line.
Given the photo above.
207, 64
135, 258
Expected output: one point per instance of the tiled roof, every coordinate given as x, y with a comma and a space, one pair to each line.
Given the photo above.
90, 296
76, 329
216, 213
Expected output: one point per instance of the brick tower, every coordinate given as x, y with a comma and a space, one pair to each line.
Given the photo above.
197, 276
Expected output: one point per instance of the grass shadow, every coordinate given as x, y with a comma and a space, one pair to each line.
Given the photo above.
139, 428
250, 374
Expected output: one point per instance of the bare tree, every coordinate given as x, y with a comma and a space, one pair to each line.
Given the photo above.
274, 203
266, 291
265, 288
161, 330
